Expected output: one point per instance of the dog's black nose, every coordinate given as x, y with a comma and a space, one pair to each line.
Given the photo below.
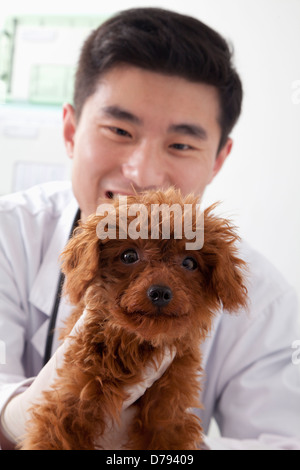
160, 295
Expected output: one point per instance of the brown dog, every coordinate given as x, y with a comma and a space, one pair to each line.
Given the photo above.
141, 296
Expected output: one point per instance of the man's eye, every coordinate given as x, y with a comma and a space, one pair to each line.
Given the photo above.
119, 131
181, 147
129, 257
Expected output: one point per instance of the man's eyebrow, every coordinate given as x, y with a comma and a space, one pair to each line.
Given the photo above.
119, 113
189, 129
192, 130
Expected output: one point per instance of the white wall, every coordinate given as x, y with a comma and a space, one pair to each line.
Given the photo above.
259, 184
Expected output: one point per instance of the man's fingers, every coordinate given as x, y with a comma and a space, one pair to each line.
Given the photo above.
150, 375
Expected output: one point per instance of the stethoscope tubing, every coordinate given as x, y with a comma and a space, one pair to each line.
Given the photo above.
58, 295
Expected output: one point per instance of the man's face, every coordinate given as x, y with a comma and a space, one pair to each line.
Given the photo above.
143, 130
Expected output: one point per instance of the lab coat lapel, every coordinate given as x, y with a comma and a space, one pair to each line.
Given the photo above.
207, 344
42, 295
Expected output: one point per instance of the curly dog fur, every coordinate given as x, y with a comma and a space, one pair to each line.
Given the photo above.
125, 330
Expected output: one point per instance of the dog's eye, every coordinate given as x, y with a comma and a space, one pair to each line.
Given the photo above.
129, 257
190, 264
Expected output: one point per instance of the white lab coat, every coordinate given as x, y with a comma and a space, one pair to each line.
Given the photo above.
251, 385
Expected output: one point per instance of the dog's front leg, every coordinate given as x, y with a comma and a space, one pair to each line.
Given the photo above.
64, 421
164, 420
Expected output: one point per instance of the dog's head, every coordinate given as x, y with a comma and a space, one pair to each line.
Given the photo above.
155, 284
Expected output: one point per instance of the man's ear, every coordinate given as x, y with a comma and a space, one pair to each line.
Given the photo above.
80, 260
224, 271
69, 128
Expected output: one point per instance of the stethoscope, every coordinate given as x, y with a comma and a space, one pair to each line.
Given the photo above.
53, 316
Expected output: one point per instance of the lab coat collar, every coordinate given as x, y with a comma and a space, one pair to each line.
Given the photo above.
44, 288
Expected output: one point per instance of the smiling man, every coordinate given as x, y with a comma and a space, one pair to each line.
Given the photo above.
122, 139
156, 97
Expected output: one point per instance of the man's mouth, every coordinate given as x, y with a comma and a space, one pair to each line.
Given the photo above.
109, 195
114, 194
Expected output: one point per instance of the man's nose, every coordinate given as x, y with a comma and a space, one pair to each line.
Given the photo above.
146, 168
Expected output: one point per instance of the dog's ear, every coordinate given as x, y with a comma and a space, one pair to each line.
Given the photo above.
224, 271
80, 259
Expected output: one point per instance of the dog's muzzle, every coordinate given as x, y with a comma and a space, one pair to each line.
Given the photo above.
160, 296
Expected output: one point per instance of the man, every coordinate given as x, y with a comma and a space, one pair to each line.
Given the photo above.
156, 97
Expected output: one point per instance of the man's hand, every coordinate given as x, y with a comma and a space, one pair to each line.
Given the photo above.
16, 413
